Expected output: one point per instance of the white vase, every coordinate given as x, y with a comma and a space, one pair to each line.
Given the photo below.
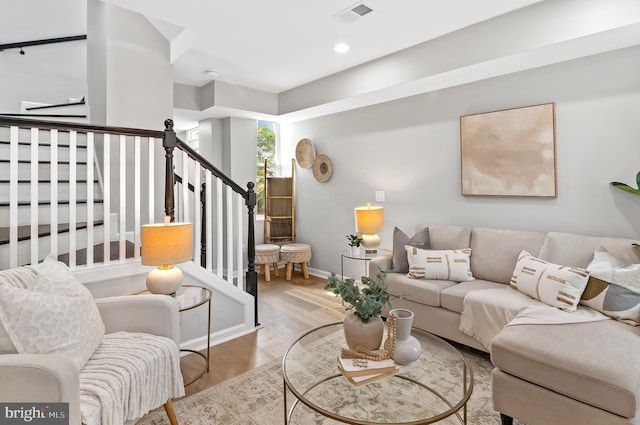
356, 251
408, 348
368, 334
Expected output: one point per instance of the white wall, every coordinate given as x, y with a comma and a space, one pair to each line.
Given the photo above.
410, 149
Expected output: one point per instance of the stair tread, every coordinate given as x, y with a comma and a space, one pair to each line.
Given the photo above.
24, 232
41, 203
98, 253
60, 145
47, 181
26, 161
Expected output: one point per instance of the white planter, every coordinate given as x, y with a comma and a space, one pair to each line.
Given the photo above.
356, 251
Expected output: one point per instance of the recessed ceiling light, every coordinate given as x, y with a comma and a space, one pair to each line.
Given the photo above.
341, 48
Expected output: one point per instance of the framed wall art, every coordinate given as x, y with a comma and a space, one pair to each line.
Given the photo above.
509, 153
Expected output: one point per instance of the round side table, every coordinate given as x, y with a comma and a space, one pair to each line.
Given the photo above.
363, 256
188, 298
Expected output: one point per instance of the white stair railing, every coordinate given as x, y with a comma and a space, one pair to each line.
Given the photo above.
108, 212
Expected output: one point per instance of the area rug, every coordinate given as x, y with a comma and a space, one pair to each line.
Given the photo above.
255, 398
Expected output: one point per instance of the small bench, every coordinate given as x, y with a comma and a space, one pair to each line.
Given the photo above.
267, 254
295, 253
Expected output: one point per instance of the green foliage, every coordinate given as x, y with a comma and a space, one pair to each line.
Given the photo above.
626, 187
354, 240
266, 150
366, 302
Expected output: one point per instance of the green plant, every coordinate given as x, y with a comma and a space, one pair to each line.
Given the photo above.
626, 187
354, 240
367, 301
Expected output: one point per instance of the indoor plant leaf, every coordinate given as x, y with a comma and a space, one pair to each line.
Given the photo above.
626, 187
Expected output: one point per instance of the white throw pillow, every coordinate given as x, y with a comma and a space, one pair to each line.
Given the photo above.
613, 288
19, 277
452, 265
55, 315
553, 284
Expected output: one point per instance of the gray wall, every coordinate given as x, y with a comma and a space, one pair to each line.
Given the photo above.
410, 148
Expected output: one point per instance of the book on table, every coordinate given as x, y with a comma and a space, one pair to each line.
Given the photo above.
366, 379
361, 367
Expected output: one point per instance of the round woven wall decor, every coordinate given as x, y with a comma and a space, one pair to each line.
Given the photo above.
322, 168
305, 153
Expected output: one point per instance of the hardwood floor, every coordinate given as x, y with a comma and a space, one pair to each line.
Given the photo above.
286, 310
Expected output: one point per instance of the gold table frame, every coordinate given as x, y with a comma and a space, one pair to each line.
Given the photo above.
454, 409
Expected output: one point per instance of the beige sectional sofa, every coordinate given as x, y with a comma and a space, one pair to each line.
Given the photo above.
554, 374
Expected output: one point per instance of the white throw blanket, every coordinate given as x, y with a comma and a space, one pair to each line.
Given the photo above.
127, 376
486, 312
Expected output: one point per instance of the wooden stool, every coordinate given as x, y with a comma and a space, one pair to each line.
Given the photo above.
295, 253
267, 254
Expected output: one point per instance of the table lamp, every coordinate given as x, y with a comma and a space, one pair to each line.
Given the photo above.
163, 245
369, 220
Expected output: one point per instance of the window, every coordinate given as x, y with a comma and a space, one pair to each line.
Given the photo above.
266, 151
193, 138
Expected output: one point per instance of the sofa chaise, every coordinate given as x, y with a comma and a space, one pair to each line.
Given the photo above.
584, 373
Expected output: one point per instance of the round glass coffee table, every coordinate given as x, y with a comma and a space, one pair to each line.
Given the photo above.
434, 387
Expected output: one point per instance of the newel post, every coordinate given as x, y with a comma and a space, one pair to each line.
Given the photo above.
252, 275
169, 142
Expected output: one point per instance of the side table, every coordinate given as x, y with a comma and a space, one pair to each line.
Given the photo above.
188, 298
364, 256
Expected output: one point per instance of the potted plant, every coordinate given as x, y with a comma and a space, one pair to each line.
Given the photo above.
354, 242
364, 326
627, 188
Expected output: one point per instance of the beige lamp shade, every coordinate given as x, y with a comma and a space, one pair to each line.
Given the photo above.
369, 219
166, 243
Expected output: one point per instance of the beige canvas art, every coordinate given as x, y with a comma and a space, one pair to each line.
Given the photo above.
509, 153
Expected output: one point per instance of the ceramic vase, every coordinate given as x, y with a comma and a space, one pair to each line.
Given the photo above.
356, 251
365, 334
408, 348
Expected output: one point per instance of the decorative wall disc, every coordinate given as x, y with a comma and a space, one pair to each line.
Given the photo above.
305, 153
322, 168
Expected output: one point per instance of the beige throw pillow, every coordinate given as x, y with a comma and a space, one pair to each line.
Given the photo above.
452, 265
553, 284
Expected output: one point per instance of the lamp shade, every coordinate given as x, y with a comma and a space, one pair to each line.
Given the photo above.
166, 243
369, 219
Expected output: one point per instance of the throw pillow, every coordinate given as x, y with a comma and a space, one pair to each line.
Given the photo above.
613, 289
20, 277
452, 265
553, 284
56, 315
399, 262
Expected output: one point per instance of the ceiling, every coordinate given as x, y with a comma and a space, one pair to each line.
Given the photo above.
277, 45
286, 46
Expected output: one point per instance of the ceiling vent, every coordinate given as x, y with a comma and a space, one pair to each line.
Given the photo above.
353, 12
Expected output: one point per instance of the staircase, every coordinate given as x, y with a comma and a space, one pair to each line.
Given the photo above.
63, 175
82, 193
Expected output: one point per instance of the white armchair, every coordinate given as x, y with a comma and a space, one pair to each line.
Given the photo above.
52, 378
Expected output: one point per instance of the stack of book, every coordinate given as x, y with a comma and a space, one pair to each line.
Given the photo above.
360, 372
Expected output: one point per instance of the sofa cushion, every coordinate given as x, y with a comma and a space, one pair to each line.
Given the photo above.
447, 237
420, 291
597, 363
451, 264
452, 298
577, 250
495, 251
420, 239
557, 285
